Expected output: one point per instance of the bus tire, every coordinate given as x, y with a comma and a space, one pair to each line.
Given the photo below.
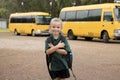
16, 33
105, 37
33, 33
71, 35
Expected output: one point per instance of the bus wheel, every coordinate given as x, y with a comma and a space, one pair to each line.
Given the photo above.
16, 33
105, 37
88, 38
33, 33
71, 36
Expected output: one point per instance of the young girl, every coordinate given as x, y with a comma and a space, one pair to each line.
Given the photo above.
56, 51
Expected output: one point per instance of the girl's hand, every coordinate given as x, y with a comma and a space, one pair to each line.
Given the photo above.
60, 45
51, 45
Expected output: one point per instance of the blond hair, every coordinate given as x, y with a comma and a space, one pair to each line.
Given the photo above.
56, 20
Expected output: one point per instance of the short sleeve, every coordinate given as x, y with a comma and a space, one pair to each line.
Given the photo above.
46, 45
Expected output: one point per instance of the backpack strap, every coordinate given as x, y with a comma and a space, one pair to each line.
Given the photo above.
62, 38
48, 57
49, 39
73, 74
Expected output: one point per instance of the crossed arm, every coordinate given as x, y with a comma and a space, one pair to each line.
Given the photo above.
56, 48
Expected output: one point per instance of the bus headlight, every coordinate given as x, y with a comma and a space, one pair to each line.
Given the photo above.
117, 33
38, 31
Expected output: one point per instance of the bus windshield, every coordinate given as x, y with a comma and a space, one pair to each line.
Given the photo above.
43, 20
117, 14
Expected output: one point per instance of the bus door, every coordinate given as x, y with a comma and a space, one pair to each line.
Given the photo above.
108, 23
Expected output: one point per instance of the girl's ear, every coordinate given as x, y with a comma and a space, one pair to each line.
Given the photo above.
50, 31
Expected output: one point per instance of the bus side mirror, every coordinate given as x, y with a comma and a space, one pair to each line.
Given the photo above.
111, 19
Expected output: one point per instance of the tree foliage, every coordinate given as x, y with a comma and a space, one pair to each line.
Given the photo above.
12, 6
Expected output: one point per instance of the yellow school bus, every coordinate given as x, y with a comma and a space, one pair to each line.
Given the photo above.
31, 23
92, 21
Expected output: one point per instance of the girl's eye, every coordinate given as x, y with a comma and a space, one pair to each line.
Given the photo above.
58, 27
53, 26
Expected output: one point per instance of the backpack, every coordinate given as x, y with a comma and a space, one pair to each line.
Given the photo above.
69, 56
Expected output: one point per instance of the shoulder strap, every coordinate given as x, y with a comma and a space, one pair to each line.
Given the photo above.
49, 39
62, 38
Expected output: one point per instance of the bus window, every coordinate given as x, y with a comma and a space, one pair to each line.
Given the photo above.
23, 19
94, 15
117, 13
107, 16
70, 15
39, 20
43, 20
31, 19
82, 15
62, 16
47, 19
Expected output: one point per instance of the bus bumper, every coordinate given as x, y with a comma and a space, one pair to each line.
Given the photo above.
40, 32
117, 34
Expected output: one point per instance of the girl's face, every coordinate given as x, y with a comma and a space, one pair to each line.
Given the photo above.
55, 28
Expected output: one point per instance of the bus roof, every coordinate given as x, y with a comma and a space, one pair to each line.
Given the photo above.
30, 13
95, 6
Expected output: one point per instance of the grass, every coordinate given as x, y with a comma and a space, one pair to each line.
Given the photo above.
4, 30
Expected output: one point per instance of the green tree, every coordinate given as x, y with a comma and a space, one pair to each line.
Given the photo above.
12, 6
3, 9
57, 5
3, 13
78, 2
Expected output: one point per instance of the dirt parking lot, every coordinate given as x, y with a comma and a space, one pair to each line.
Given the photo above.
23, 58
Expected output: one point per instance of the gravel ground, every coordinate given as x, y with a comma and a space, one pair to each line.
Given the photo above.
23, 58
